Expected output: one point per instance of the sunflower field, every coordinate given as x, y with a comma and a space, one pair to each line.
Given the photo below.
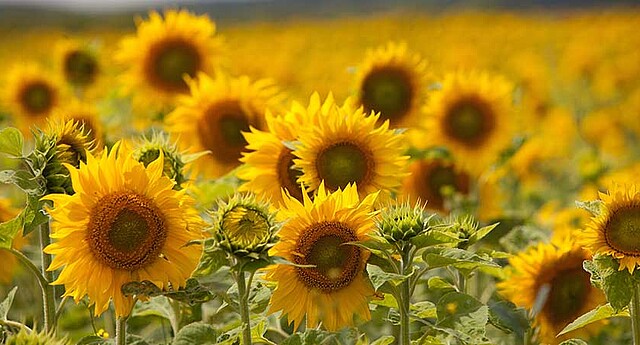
398, 177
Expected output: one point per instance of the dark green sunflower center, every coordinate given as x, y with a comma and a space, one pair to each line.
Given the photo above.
287, 175
171, 61
37, 98
245, 227
336, 263
220, 130
343, 163
469, 121
389, 91
568, 294
126, 231
80, 68
622, 230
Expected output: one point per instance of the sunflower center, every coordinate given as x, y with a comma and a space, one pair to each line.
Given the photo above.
37, 98
568, 294
170, 61
220, 130
388, 91
287, 175
469, 121
245, 227
80, 68
344, 163
622, 231
126, 231
336, 264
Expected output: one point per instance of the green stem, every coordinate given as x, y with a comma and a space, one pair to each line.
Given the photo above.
121, 331
243, 293
405, 297
48, 297
462, 286
28, 264
634, 310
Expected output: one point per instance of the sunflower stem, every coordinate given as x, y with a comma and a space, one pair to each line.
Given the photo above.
634, 310
243, 294
404, 303
48, 296
121, 330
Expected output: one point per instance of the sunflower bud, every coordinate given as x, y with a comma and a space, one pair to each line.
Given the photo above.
244, 225
65, 142
401, 222
32, 338
148, 150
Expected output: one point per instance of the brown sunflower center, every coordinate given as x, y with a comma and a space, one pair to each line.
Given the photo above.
388, 90
343, 163
287, 175
170, 61
220, 130
80, 68
37, 98
622, 231
469, 121
567, 296
336, 264
244, 227
126, 231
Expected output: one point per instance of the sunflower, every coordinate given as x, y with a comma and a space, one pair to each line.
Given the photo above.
163, 52
472, 116
553, 272
31, 95
265, 175
336, 289
392, 82
215, 115
615, 230
86, 115
79, 65
124, 223
345, 146
429, 178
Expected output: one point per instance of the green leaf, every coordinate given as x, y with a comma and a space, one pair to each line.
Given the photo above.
379, 277
384, 340
600, 313
6, 304
196, 333
309, 337
618, 289
387, 301
593, 206
158, 306
509, 318
377, 246
437, 283
11, 141
433, 237
9, 230
463, 260
212, 259
462, 316
574, 342
424, 310
481, 233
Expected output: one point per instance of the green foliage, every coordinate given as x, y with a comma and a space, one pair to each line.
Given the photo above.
574, 342
616, 284
508, 318
196, 333
9, 230
6, 304
11, 142
192, 293
600, 313
212, 259
595, 207
309, 337
463, 317
463, 260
